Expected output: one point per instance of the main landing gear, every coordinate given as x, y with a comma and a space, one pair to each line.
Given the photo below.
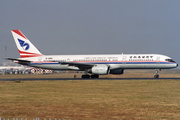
90, 76
156, 74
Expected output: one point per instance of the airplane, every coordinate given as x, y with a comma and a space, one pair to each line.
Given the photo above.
92, 65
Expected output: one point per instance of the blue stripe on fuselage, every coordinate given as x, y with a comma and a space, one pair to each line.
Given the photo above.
109, 63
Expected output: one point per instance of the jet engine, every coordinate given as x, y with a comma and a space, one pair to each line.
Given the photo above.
100, 69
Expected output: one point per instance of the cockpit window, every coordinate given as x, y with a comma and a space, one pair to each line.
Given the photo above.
169, 60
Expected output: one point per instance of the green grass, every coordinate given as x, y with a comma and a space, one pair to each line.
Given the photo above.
91, 99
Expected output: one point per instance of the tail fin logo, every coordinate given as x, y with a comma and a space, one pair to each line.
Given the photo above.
24, 45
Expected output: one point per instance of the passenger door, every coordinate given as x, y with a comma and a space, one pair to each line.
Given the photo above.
157, 60
124, 60
40, 60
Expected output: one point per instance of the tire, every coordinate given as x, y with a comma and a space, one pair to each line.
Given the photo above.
156, 76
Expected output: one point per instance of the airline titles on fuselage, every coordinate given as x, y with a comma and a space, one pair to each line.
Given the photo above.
130, 58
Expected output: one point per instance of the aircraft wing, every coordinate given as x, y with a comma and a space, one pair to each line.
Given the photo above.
77, 64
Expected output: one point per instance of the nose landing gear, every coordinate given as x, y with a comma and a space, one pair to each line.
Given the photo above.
156, 74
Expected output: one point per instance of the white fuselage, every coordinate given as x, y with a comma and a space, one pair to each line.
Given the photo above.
115, 61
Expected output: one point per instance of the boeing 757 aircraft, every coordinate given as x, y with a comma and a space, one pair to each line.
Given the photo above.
94, 65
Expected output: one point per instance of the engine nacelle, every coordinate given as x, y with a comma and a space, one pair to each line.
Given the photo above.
117, 71
100, 69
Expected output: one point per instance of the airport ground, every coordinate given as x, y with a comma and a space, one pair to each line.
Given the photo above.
93, 99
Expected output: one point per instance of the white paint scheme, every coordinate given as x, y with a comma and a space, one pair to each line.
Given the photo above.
87, 62
42, 61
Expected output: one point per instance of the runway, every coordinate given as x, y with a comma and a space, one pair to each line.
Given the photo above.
43, 79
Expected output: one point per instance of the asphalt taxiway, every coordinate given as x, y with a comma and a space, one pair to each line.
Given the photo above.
41, 79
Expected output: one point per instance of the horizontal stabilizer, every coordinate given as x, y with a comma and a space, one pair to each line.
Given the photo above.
19, 60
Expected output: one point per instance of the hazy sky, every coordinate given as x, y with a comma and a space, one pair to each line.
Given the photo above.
92, 26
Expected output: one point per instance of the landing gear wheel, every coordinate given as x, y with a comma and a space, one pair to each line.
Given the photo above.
85, 76
94, 76
156, 76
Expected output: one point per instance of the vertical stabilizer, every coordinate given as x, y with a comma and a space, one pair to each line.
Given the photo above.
25, 47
